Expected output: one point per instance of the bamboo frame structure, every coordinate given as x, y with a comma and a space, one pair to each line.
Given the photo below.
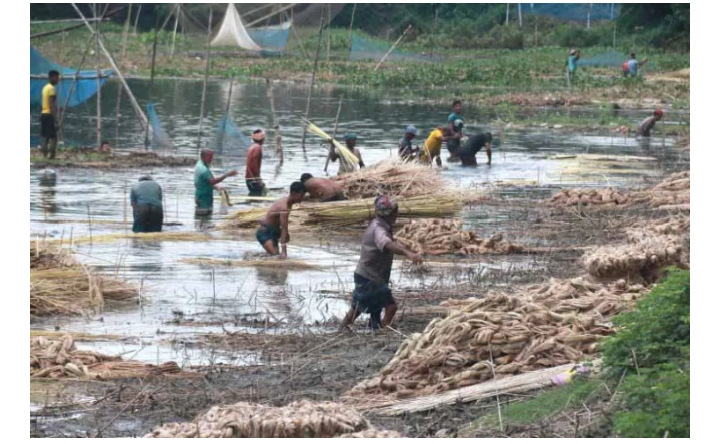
207, 72
312, 79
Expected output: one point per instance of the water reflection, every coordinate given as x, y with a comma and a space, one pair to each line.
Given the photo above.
273, 276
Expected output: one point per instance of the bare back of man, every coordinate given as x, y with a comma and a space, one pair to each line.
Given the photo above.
325, 190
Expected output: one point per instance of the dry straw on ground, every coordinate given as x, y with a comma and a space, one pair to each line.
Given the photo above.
60, 285
301, 419
58, 358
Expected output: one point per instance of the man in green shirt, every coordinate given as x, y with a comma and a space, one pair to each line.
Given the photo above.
205, 182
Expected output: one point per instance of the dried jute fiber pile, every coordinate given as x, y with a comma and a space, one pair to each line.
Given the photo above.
555, 323
673, 190
300, 419
441, 236
58, 358
650, 248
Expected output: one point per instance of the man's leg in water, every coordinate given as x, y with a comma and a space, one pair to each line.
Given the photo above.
350, 317
53, 147
270, 247
390, 311
488, 151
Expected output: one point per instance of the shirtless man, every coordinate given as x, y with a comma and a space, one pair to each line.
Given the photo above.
274, 226
255, 184
325, 190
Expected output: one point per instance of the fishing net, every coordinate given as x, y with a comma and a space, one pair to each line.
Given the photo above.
365, 48
85, 87
159, 138
229, 136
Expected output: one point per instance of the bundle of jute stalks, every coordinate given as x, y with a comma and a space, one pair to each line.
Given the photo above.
586, 197
60, 285
349, 212
394, 177
300, 419
440, 236
59, 358
553, 324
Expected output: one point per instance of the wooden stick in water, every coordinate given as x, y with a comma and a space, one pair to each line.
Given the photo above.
352, 19
337, 118
392, 48
99, 83
137, 17
122, 62
207, 71
276, 125
72, 86
312, 80
152, 80
89, 224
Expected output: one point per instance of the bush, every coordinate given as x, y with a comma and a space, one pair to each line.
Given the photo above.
652, 346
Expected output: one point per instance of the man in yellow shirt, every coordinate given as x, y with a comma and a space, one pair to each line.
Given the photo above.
431, 149
48, 116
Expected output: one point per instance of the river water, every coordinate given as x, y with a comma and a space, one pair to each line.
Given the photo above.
174, 293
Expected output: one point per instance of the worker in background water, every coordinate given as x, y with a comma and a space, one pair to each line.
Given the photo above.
205, 182
146, 201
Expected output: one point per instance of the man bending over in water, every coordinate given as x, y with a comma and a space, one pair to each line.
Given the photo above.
274, 226
472, 146
325, 190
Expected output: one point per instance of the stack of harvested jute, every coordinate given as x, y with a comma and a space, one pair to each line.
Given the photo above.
394, 177
672, 191
301, 419
58, 358
439, 236
372, 433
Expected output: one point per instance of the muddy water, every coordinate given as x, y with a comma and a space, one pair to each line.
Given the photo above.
181, 300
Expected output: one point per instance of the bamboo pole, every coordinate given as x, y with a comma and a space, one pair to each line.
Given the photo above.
98, 122
177, 18
207, 72
276, 124
261, 19
227, 111
329, 41
137, 17
337, 119
312, 79
434, 31
392, 47
519, 6
297, 37
352, 19
152, 81
136, 106
122, 62
72, 86
507, 14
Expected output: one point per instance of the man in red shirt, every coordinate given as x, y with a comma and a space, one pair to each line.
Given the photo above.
252, 167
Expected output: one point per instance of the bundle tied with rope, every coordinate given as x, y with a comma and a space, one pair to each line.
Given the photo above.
59, 358
300, 419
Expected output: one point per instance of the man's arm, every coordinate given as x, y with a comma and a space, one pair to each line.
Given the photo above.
397, 248
216, 180
438, 161
360, 161
284, 235
133, 198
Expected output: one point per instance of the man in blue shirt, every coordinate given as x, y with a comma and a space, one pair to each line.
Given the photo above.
454, 124
630, 67
146, 202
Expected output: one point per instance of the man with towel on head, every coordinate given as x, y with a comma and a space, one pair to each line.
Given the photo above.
205, 182
350, 141
648, 124
146, 201
372, 275
405, 149
325, 190
274, 226
255, 184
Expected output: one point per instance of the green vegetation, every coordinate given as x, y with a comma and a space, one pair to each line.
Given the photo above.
652, 349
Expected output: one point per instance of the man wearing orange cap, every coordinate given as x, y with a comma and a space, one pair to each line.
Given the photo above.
255, 184
648, 124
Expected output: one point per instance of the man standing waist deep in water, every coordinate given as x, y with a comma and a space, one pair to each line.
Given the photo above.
255, 184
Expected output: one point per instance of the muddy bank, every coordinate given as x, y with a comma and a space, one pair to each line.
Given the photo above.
89, 158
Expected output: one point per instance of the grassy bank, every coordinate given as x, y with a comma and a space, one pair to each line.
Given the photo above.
477, 75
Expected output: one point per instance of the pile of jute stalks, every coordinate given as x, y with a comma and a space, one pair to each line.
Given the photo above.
393, 177
301, 419
439, 236
673, 191
60, 285
59, 358
538, 326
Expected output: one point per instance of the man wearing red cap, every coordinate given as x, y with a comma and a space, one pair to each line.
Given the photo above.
648, 124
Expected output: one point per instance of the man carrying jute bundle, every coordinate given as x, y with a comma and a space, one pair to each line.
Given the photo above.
372, 275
